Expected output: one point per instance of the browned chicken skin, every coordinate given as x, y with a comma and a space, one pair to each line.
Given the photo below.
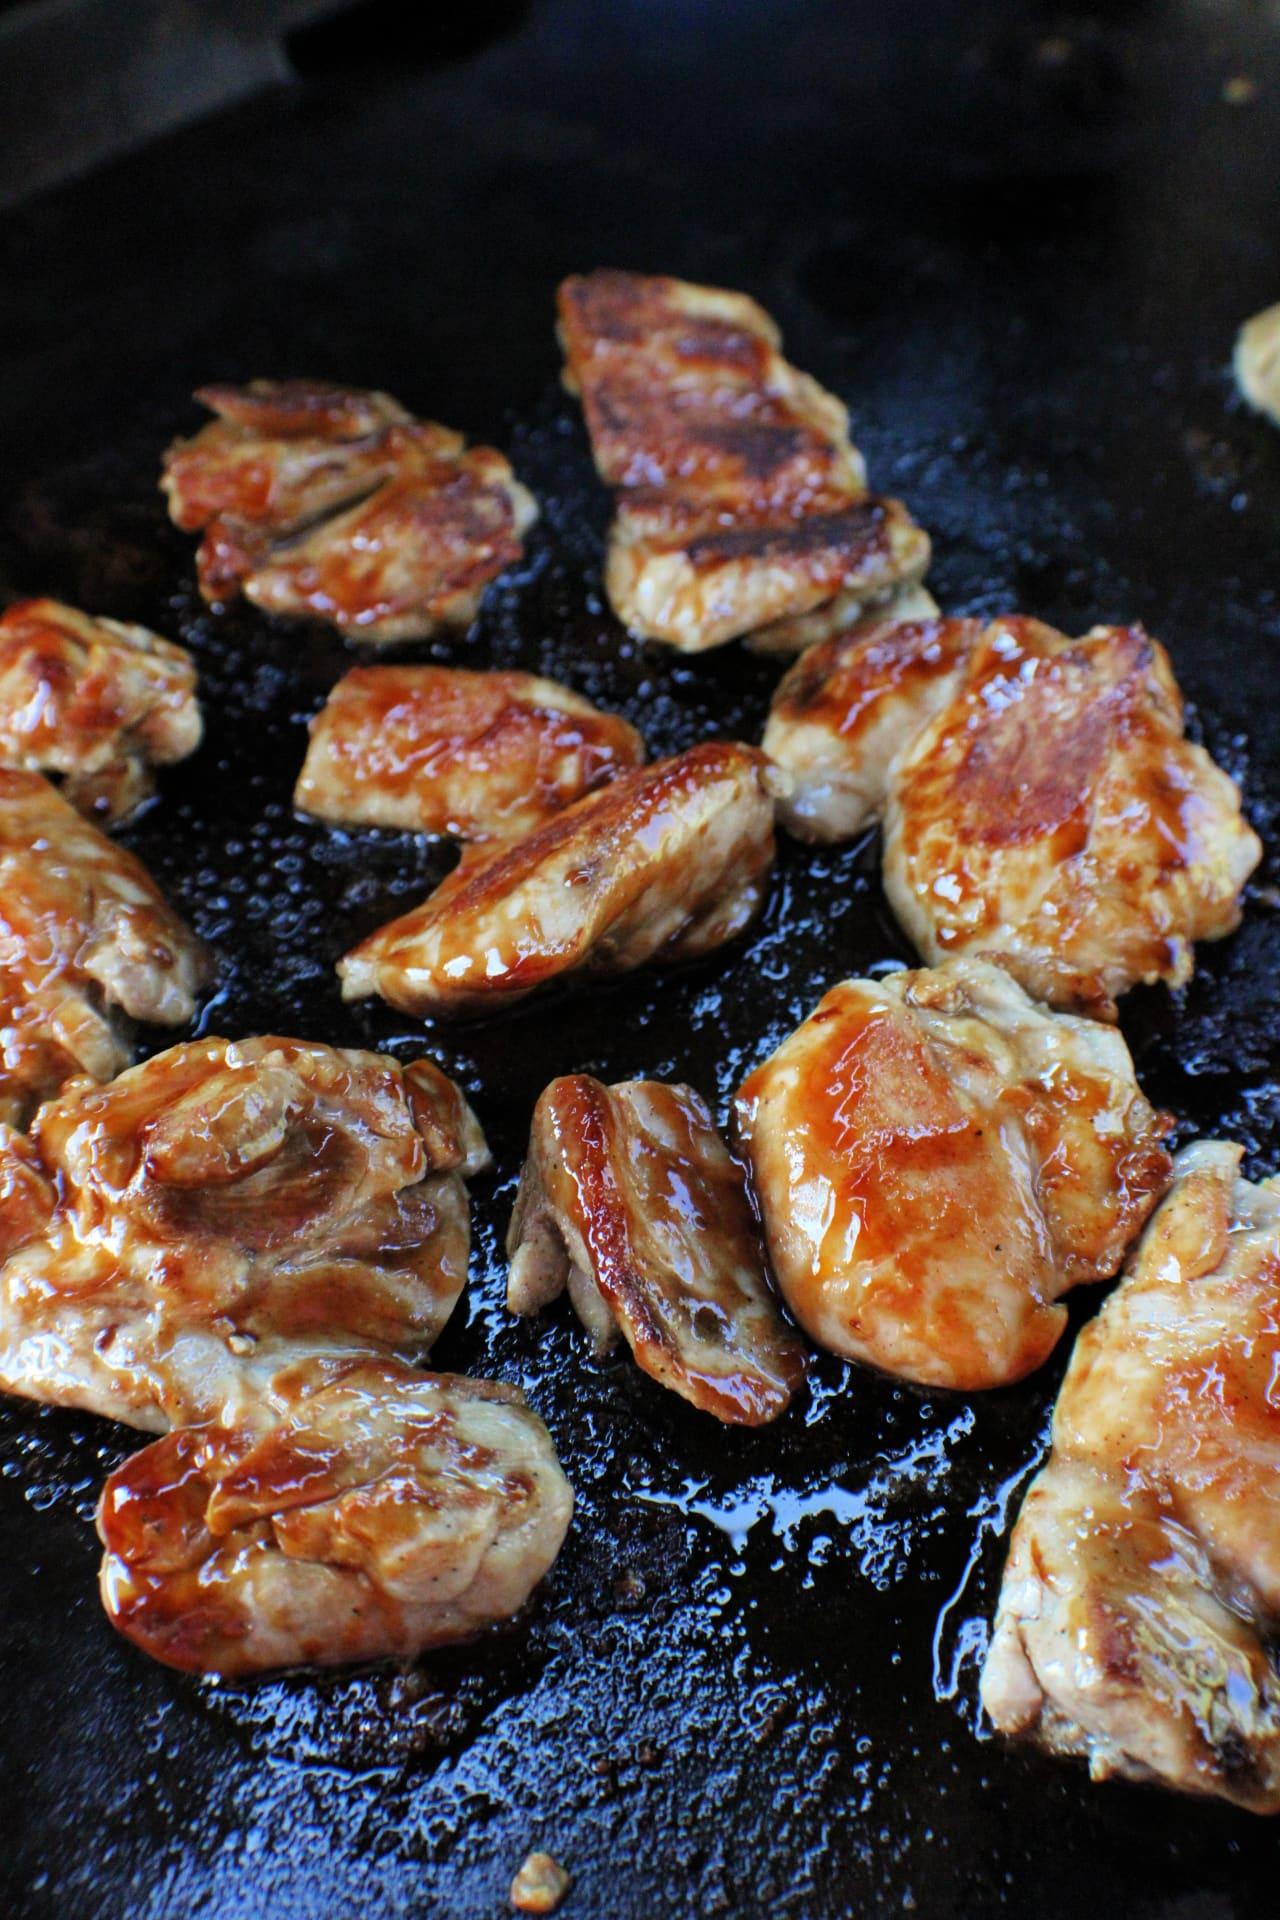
93, 702
441, 750
938, 1159
1053, 814
630, 1198
84, 931
1143, 1580
384, 1512
742, 504
335, 504
666, 862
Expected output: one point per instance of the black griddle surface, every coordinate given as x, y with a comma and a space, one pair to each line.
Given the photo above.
1018, 242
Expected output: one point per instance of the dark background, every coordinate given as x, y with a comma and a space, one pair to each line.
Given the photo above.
1018, 240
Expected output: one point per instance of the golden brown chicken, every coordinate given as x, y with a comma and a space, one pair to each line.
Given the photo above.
84, 932
169, 1242
384, 1512
337, 505
1142, 1593
1053, 814
440, 750
938, 1159
629, 1198
849, 706
742, 503
665, 863
93, 702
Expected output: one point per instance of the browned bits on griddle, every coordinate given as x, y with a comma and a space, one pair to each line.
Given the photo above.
540, 1885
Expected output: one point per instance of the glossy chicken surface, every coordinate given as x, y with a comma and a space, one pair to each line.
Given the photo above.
849, 706
1053, 814
440, 750
629, 1197
742, 503
85, 937
938, 1159
334, 504
385, 1512
171, 1241
93, 702
665, 863
1137, 1618
1257, 362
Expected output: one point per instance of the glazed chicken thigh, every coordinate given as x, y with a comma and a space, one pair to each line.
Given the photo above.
938, 1159
169, 1242
630, 1198
384, 1512
1053, 814
1143, 1578
96, 703
84, 931
440, 750
665, 863
742, 504
334, 504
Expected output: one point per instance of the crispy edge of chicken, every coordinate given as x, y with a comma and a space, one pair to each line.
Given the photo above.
937, 1160
1143, 1573
384, 1512
665, 863
445, 750
630, 1198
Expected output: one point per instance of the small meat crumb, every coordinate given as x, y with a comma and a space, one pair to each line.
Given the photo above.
540, 1885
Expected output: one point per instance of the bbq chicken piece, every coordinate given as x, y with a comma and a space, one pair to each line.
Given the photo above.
742, 503
334, 504
386, 1512
665, 863
630, 1199
938, 1159
94, 702
1257, 362
1052, 814
170, 1242
84, 932
847, 708
1143, 1580
440, 750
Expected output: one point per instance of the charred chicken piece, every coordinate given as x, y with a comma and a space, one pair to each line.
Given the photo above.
742, 503
385, 1512
170, 1242
1143, 1580
334, 504
847, 708
938, 1160
665, 863
630, 1198
479, 756
84, 933
93, 702
1053, 814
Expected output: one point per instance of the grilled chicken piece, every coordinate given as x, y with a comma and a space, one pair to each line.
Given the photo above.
388, 1511
94, 702
847, 708
630, 1198
848, 613
665, 863
170, 1241
337, 505
439, 750
938, 1159
742, 502
1257, 362
1053, 814
1144, 1571
83, 930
